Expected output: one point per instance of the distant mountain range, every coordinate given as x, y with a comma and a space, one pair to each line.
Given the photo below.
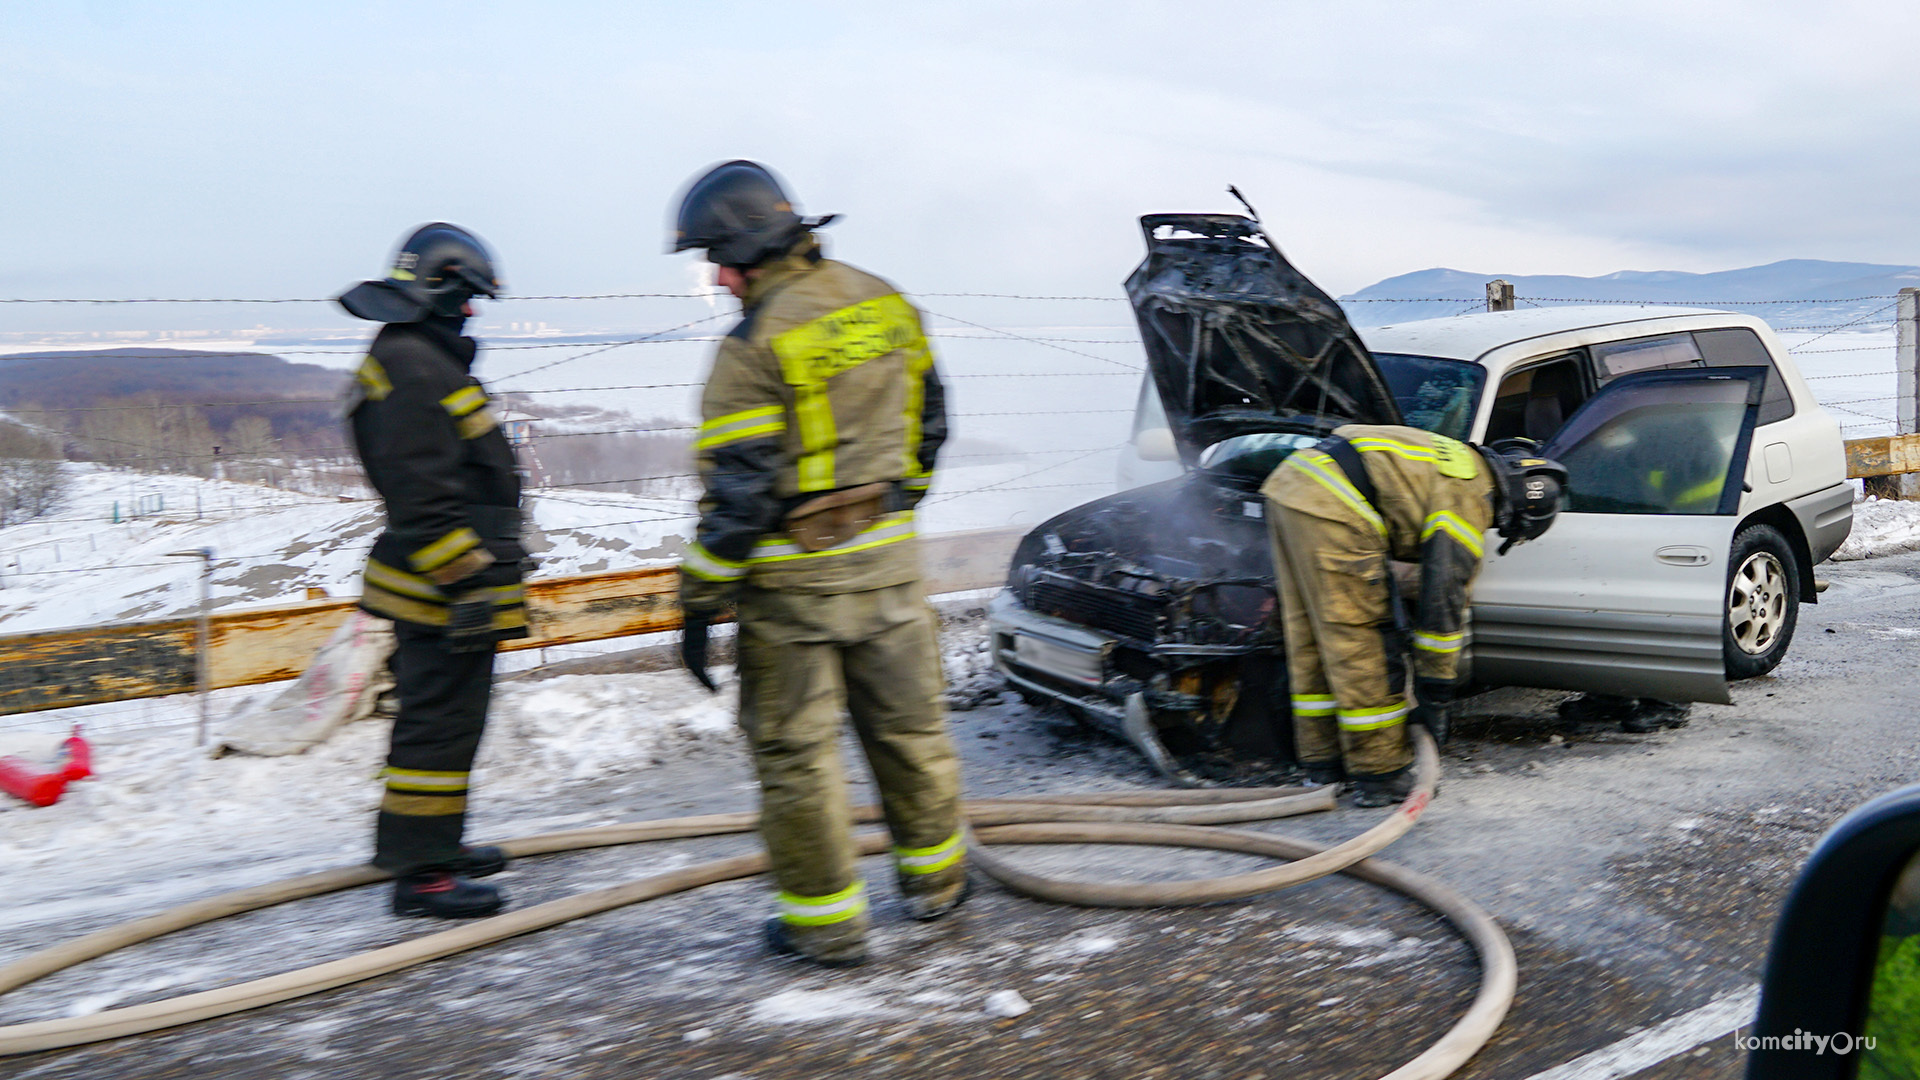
1793, 292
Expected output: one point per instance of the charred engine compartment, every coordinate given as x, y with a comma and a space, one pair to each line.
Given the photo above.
1183, 563
1173, 582
1179, 575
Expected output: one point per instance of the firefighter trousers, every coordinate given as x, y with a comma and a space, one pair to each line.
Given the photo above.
803, 660
1348, 685
443, 709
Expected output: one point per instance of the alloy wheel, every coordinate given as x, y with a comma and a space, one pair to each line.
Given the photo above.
1757, 603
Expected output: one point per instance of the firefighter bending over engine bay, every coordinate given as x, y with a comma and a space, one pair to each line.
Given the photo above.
1336, 514
821, 419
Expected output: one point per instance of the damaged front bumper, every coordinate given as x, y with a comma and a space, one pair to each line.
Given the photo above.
1128, 688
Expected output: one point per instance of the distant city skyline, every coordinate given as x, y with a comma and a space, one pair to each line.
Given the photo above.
230, 149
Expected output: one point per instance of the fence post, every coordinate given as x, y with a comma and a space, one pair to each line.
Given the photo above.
1907, 368
1499, 295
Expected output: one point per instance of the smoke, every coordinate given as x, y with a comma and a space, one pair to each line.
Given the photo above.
705, 282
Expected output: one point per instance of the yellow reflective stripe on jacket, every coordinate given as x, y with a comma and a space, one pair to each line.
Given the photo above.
890, 529
474, 425
1705, 493
1383, 716
822, 910
1439, 643
464, 400
373, 379
444, 550
1313, 704
1327, 474
1454, 525
931, 860
399, 581
1394, 447
816, 351
746, 424
425, 780
707, 566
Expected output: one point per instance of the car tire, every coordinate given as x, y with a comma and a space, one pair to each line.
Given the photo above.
1763, 602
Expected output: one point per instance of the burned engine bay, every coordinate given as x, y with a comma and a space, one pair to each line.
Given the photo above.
1179, 577
1180, 566
1151, 612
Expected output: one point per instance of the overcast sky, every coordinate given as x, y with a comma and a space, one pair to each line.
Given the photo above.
218, 149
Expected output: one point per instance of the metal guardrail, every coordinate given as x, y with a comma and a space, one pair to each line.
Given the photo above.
1888, 455
55, 669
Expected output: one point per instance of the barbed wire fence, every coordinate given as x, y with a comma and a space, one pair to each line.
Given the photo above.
1077, 380
1858, 412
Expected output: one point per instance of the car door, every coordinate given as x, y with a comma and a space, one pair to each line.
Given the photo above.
1626, 594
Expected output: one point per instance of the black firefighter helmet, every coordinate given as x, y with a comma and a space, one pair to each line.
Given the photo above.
435, 272
739, 212
1526, 490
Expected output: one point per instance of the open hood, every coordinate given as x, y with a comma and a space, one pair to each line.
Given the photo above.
1238, 341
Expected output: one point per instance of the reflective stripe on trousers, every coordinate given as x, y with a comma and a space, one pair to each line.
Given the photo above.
822, 910
931, 860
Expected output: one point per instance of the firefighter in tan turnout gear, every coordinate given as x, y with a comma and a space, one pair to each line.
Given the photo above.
1336, 514
447, 568
821, 419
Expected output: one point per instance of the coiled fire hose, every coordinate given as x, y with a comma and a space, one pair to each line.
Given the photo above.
1166, 819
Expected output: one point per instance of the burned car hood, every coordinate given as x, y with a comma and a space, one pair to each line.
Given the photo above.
1238, 341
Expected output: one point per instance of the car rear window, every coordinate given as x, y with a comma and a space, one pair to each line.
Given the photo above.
1434, 393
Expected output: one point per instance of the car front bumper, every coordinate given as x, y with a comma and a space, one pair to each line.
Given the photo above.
1059, 661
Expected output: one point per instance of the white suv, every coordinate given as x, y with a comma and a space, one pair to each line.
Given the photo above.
1704, 484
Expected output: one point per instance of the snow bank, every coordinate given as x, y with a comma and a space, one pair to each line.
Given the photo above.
1881, 527
154, 794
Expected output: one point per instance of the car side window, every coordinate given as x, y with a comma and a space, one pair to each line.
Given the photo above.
1535, 401
1737, 346
1734, 346
1655, 446
1617, 358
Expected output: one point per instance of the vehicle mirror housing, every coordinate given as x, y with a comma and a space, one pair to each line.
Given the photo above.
1156, 444
1836, 966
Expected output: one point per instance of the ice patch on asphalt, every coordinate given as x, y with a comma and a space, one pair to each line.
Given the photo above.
809, 1006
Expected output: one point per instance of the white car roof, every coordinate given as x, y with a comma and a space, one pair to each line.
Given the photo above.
1469, 337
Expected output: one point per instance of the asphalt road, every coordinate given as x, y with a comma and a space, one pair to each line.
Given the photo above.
1638, 876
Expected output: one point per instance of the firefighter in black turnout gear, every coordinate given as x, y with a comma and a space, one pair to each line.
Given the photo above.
448, 568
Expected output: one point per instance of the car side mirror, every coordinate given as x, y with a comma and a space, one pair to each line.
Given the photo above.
1841, 996
1156, 444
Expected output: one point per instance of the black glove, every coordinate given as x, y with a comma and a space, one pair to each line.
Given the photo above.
693, 648
1435, 700
470, 622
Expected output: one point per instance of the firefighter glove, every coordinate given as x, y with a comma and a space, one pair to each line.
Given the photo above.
470, 622
1435, 700
693, 648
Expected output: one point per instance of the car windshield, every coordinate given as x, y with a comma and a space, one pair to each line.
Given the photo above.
1434, 393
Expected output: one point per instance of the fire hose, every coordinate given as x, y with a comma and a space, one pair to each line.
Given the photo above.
1165, 819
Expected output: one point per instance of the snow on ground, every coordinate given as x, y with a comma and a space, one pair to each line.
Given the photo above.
156, 797
1881, 527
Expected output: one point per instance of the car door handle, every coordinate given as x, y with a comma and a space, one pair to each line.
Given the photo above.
1684, 555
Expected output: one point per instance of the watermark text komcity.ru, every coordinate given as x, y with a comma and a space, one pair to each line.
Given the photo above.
1841, 1043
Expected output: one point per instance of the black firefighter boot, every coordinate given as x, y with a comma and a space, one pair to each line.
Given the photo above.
477, 862
1388, 789
440, 895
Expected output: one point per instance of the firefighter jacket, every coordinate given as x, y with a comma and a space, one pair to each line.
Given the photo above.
827, 386
436, 454
1431, 498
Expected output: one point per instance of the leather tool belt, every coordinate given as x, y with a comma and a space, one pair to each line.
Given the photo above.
836, 517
